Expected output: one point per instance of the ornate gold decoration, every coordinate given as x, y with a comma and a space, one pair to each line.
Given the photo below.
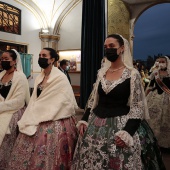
118, 18
48, 40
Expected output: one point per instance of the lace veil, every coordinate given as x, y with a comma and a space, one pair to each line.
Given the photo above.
20, 69
18, 61
126, 57
168, 64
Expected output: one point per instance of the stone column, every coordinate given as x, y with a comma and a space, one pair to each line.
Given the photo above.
51, 41
118, 18
48, 40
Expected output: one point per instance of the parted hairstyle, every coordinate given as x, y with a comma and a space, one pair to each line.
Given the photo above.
12, 54
117, 37
53, 53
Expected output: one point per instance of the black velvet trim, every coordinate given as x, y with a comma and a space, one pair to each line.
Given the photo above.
4, 91
105, 112
132, 126
86, 115
38, 92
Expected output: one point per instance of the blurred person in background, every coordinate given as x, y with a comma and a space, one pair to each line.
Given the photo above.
64, 67
158, 99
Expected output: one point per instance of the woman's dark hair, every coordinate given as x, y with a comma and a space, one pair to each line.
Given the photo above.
117, 37
53, 53
12, 54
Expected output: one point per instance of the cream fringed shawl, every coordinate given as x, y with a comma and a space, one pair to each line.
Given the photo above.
55, 102
15, 100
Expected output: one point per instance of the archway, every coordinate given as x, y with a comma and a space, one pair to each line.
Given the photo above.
151, 34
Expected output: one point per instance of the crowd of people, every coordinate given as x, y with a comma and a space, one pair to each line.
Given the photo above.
124, 125
46, 135
156, 83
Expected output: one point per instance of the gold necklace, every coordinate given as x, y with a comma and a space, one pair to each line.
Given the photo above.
116, 69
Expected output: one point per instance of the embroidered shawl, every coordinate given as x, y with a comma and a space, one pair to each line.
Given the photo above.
55, 102
17, 97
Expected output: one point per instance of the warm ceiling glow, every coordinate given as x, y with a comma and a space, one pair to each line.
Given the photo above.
70, 55
45, 30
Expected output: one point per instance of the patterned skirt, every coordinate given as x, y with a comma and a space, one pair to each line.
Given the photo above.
96, 149
151, 154
51, 148
9, 139
159, 109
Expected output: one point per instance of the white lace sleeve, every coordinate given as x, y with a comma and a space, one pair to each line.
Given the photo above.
81, 122
137, 107
125, 136
92, 100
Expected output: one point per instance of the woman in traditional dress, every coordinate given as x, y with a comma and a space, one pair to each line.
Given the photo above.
158, 99
113, 134
48, 132
14, 96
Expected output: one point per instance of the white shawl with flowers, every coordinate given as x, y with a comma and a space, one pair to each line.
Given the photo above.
55, 102
15, 100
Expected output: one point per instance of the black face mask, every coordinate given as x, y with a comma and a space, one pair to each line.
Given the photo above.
6, 65
43, 62
111, 54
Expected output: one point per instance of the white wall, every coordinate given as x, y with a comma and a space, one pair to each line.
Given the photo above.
70, 30
30, 29
70, 36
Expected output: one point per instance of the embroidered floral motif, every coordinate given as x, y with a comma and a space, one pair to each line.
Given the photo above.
115, 163
97, 150
100, 122
46, 150
91, 130
102, 131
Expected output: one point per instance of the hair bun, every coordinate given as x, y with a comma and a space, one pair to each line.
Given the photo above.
57, 57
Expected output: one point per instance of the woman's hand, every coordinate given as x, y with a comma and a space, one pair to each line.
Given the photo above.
119, 142
82, 129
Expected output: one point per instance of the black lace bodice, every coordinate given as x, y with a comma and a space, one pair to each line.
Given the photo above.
5, 88
115, 102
